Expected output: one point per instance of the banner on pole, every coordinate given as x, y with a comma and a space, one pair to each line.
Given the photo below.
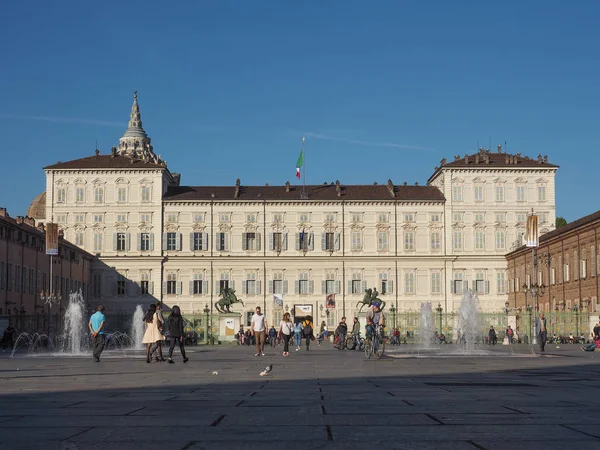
277, 302
532, 235
330, 301
52, 239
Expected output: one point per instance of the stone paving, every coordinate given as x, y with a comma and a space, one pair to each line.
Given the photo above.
321, 399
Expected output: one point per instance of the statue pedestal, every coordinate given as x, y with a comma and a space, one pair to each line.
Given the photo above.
229, 324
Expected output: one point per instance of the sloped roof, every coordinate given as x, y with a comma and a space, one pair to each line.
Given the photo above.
106, 162
325, 192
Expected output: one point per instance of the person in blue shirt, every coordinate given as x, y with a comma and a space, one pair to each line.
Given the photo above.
96, 326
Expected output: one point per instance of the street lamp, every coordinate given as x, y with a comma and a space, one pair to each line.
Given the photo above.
576, 310
393, 312
535, 290
206, 312
439, 310
321, 310
50, 298
529, 310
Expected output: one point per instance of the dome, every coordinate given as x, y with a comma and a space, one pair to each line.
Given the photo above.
37, 208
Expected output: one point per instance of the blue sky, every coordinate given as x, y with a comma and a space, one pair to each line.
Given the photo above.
228, 89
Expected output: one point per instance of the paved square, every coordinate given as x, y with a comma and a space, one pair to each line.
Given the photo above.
321, 399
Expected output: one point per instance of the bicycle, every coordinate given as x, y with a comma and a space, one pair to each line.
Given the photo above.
375, 344
339, 342
355, 340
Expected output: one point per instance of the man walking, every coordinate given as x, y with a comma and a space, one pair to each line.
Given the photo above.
96, 326
541, 330
258, 327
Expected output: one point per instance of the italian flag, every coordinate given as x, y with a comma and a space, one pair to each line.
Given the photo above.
299, 163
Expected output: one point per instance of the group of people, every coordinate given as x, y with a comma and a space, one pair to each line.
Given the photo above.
154, 334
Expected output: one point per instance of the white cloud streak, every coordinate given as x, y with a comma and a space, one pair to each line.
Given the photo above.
103, 123
325, 137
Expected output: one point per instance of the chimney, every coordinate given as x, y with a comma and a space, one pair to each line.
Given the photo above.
390, 187
287, 186
499, 149
3, 212
545, 159
30, 221
113, 151
338, 188
506, 159
20, 220
416, 183
467, 159
477, 158
540, 159
97, 152
237, 188
443, 162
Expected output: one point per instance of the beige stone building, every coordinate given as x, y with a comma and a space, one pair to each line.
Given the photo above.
158, 239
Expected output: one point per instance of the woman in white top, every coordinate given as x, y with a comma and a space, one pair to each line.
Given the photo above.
286, 328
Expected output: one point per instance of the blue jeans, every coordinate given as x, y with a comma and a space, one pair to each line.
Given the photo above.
298, 339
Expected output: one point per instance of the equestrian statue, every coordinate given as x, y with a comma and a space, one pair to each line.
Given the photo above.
371, 296
227, 299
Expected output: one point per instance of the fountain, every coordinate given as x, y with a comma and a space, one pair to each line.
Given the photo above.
427, 322
33, 342
468, 325
137, 328
74, 335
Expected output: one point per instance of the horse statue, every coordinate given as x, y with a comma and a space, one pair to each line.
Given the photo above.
227, 299
371, 296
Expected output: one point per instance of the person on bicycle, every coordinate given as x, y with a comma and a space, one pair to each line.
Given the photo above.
376, 316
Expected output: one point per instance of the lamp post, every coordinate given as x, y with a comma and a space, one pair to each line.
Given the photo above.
321, 312
206, 312
555, 319
393, 312
439, 310
576, 311
50, 298
529, 310
535, 290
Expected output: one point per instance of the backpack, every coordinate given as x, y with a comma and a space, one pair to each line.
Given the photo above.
298, 328
307, 330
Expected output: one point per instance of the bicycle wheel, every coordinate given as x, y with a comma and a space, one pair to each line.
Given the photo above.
368, 349
341, 344
361, 344
350, 343
380, 347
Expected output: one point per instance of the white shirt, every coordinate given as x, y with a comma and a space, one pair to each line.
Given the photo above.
286, 327
258, 322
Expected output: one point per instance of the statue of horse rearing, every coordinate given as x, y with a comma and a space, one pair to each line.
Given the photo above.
227, 299
369, 298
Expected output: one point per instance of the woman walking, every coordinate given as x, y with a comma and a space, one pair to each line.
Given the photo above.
152, 333
307, 330
298, 335
285, 332
175, 326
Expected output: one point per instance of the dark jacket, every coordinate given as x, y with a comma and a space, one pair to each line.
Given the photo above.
175, 325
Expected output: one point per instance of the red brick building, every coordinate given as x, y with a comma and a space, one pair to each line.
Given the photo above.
25, 268
567, 266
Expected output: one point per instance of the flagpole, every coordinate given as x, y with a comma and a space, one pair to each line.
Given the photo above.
303, 170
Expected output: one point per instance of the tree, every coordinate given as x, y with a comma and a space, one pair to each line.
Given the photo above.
560, 222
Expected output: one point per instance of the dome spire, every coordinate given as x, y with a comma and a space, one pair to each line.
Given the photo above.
135, 142
135, 129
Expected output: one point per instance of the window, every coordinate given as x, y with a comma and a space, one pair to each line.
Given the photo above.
251, 218
500, 282
457, 240
479, 240
145, 218
386, 286
278, 218
279, 286
250, 241
382, 218
97, 242
198, 218
98, 194
457, 216
583, 265
329, 242
304, 218
222, 242
329, 285
356, 284
120, 284
409, 217
382, 241
356, 218
61, 195
223, 283
567, 273
356, 241
79, 194
121, 194
543, 217
499, 193
97, 284
553, 275
409, 240
435, 218
330, 218
122, 218
171, 284
501, 217
2, 269
409, 282
172, 241
479, 284
146, 194
435, 240
172, 218
121, 242
500, 240
436, 283
224, 218
521, 217
304, 284
61, 218
278, 242
198, 241
458, 284
79, 238
98, 218
520, 193
9, 277
304, 241
145, 242
480, 217
145, 284
478, 193
541, 193
457, 193
32, 279
79, 218
199, 286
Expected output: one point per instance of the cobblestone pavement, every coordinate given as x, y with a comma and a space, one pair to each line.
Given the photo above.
324, 398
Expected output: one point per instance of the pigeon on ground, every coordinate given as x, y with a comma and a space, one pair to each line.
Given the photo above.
267, 370
215, 373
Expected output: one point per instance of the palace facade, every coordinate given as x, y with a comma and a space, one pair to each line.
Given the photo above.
157, 239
